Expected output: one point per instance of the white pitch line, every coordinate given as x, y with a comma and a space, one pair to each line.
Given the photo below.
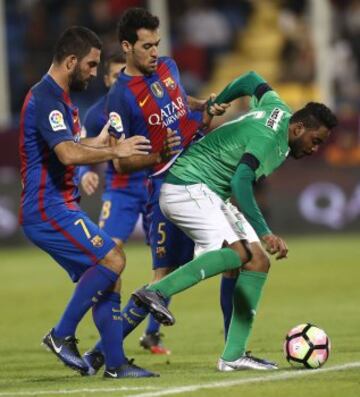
157, 392
76, 391
275, 377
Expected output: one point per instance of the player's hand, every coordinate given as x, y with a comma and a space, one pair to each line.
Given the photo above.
275, 245
90, 182
136, 145
171, 145
104, 137
216, 109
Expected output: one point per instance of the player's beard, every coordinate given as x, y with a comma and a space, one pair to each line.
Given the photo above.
77, 81
296, 149
145, 70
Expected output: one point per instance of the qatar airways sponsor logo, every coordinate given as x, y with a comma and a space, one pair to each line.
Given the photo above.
169, 114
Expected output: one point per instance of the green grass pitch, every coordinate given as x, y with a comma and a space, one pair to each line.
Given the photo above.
318, 283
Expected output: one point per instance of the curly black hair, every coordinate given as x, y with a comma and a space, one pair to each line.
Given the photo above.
132, 20
314, 115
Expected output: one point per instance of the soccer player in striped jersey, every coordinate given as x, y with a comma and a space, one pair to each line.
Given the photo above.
124, 197
227, 162
50, 149
148, 98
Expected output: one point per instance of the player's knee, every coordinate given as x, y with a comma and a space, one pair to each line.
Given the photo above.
115, 260
243, 249
260, 262
118, 242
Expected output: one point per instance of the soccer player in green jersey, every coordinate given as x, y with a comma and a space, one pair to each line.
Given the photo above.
225, 163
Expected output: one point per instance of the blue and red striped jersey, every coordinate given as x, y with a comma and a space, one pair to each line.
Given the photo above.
94, 121
147, 105
47, 118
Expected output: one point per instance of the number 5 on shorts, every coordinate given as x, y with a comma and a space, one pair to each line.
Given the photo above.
162, 233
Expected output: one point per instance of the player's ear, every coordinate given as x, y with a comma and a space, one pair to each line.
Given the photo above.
299, 129
70, 62
126, 46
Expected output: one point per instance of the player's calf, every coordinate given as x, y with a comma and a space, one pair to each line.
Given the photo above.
115, 260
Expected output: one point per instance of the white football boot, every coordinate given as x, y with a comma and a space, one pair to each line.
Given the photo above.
246, 362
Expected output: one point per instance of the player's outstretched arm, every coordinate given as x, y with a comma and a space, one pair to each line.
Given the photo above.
242, 188
71, 153
244, 85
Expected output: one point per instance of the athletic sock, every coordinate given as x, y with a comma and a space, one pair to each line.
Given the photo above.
132, 316
247, 295
108, 320
226, 300
90, 286
154, 325
200, 268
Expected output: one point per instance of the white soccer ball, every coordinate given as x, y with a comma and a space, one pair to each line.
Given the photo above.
307, 345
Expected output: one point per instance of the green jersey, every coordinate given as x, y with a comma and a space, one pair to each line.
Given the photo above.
262, 132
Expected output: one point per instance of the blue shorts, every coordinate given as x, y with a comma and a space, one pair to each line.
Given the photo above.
170, 246
72, 239
121, 210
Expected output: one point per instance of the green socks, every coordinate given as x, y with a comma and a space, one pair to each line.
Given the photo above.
246, 297
200, 268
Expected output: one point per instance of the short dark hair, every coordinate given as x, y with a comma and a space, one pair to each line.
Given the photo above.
134, 19
117, 57
76, 40
315, 115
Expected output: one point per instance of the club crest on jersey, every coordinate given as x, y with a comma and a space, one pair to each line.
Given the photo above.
157, 89
169, 83
56, 120
97, 241
116, 122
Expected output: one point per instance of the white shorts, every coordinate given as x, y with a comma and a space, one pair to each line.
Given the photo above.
204, 216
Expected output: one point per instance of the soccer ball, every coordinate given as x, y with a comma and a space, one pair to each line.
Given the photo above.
307, 346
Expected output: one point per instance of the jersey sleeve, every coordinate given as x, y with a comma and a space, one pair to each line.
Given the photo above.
242, 188
118, 110
52, 123
269, 99
244, 85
